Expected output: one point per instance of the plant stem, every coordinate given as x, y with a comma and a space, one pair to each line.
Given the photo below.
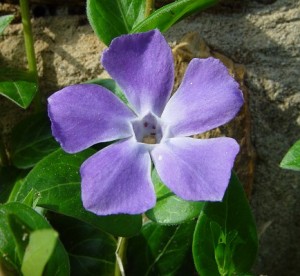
149, 7
120, 256
29, 47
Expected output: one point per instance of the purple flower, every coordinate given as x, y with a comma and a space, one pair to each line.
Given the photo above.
117, 179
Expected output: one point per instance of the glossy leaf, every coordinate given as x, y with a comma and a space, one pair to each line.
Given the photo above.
17, 185
169, 208
8, 178
17, 222
91, 251
32, 140
110, 19
225, 238
38, 252
18, 86
56, 181
168, 15
161, 249
18, 91
291, 160
4, 22
20, 233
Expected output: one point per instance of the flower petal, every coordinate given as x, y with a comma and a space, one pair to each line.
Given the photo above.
85, 114
117, 180
207, 98
142, 65
196, 169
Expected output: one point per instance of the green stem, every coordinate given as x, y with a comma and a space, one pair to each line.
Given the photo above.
149, 7
120, 256
29, 47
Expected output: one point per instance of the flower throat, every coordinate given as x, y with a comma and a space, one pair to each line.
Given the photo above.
148, 130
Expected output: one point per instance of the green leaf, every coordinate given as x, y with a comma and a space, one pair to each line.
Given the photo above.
17, 222
18, 86
111, 85
18, 91
20, 232
170, 209
56, 181
162, 250
168, 15
91, 251
8, 178
110, 19
32, 140
17, 184
39, 250
4, 22
291, 160
225, 238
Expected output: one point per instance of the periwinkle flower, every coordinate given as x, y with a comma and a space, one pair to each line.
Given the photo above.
117, 179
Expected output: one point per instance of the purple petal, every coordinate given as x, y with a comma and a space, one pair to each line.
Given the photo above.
142, 65
85, 114
196, 169
117, 180
208, 97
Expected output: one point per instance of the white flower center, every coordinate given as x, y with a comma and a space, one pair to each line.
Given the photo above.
148, 130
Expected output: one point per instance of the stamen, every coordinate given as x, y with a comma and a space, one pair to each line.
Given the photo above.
148, 130
149, 139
